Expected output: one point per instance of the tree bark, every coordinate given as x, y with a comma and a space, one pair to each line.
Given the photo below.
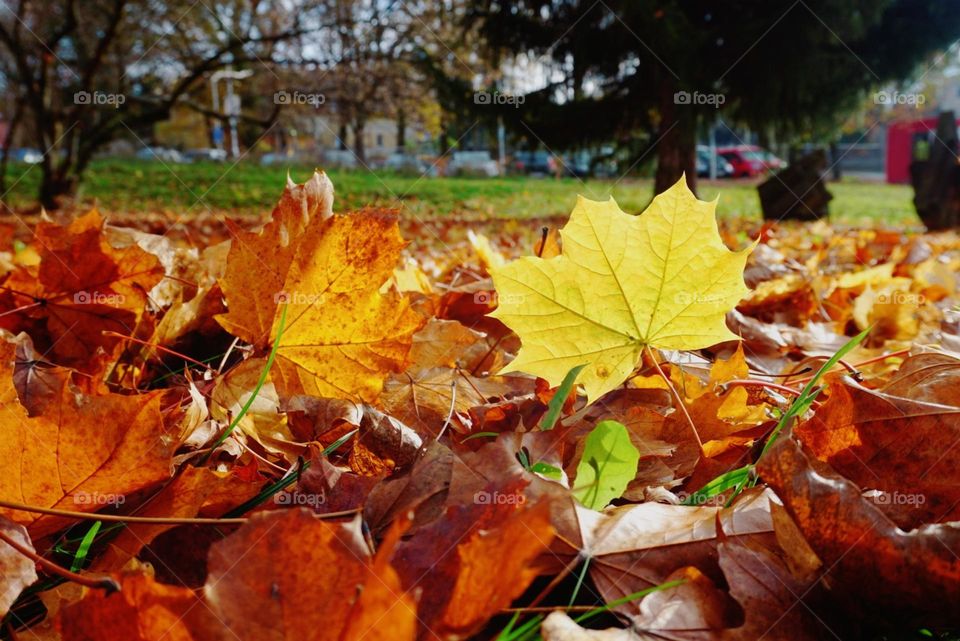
56, 184
8, 142
358, 147
677, 144
401, 130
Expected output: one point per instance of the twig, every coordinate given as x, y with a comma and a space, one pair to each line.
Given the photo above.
747, 382
453, 404
553, 608
103, 582
155, 346
152, 520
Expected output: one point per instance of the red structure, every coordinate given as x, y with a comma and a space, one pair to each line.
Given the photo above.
901, 140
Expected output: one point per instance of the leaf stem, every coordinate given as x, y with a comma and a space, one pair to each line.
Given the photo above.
676, 395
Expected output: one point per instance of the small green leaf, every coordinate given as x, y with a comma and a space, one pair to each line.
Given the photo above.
608, 465
556, 403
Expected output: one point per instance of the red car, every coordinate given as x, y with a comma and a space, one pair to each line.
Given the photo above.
749, 161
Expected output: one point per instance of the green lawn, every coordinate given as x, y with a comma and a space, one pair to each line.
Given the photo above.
248, 188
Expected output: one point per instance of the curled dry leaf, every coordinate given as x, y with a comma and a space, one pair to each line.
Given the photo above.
17, 571
83, 289
895, 445
341, 337
637, 547
860, 546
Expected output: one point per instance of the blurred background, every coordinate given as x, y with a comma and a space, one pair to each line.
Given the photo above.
483, 108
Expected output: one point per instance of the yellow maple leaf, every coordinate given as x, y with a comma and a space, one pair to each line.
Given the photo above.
661, 279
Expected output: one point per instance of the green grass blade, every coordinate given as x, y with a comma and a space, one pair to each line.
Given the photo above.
627, 599
81, 556
719, 485
556, 403
285, 482
256, 390
810, 391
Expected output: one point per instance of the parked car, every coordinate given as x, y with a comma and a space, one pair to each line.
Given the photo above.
207, 154
340, 158
748, 161
277, 158
724, 167
410, 164
472, 163
161, 153
774, 162
25, 155
532, 163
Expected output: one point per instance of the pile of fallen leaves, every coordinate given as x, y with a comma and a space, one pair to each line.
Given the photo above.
317, 431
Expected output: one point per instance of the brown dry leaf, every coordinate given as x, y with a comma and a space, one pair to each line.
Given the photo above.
287, 575
459, 564
382, 442
872, 565
898, 446
636, 547
86, 453
143, 610
195, 492
82, 288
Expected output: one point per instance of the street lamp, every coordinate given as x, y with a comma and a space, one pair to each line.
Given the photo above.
231, 106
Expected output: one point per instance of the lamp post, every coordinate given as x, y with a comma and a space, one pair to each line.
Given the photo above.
231, 106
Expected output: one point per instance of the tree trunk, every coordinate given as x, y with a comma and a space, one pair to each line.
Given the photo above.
677, 144
401, 130
358, 148
56, 183
936, 181
835, 160
8, 143
342, 137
